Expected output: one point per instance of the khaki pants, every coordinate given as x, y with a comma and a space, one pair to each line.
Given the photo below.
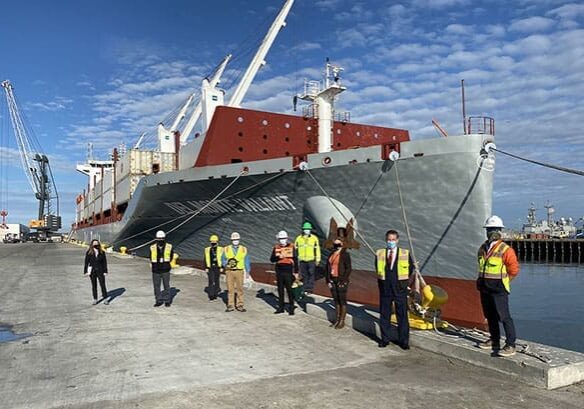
234, 286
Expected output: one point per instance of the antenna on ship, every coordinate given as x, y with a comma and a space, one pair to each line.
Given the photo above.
463, 108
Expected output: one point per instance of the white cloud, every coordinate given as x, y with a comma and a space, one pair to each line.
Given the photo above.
532, 24
568, 11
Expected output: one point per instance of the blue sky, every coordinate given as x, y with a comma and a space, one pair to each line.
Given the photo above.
103, 72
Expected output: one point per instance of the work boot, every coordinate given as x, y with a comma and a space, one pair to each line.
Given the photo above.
341, 323
488, 344
508, 350
338, 312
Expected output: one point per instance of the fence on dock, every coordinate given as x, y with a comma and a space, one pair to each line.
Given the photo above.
564, 251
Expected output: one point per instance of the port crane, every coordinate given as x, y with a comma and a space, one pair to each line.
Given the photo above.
36, 168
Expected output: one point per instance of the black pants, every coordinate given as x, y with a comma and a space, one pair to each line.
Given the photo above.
284, 280
307, 271
101, 278
496, 308
213, 288
339, 293
163, 296
387, 296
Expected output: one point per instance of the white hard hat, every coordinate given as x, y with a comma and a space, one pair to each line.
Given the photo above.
282, 235
494, 221
160, 234
235, 236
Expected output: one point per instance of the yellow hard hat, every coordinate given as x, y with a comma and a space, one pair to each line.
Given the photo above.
214, 238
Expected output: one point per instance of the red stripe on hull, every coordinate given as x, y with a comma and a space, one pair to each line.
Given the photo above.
463, 307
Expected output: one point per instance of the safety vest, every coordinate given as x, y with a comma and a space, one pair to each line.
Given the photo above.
403, 263
239, 258
492, 267
154, 253
287, 251
308, 248
208, 256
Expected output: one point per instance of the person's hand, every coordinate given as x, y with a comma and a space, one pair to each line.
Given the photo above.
105, 274
86, 274
221, 270
330, 285
206, 270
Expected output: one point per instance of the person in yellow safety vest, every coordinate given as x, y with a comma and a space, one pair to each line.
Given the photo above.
498, 265
235, 261
161, 253
394, 267
308, 251
213, 266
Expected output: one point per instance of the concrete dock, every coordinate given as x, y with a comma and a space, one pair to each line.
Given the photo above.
70, 354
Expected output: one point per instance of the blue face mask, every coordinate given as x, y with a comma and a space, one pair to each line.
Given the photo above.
391, 244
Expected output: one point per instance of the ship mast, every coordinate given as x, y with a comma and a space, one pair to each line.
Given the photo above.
259, 59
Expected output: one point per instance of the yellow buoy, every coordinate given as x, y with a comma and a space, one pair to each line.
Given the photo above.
433, 297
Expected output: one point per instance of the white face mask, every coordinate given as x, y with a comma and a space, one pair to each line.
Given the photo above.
307, 232
235, 242
283, 242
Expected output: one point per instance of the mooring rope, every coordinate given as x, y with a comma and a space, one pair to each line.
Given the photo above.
544, 164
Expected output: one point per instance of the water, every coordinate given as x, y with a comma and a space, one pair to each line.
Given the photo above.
547, 305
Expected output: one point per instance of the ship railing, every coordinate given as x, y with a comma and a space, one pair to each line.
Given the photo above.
311, 88
344, 116
310, 111
480, 125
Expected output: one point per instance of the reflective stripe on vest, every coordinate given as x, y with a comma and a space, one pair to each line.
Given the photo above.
154, 253
239, 257
208, 256
492, 267
287, 251
308, 248
403, 263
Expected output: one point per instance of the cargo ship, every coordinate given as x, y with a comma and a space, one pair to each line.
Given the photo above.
259, 172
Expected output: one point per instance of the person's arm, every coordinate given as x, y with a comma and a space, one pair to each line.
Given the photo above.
223, 259
86, 263
412, 266
104, 264
247, 264
511, 262
317, 252
348, 267
274, 258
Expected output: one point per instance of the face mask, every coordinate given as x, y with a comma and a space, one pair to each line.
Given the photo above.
337, 246
283, 242
213, 244
96, 246
391, 244
306, 232
493, 235
235, 242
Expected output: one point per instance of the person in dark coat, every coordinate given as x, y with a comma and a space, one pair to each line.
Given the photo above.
337, 272
96, 269
286, 266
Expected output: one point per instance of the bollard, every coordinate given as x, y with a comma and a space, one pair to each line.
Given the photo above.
123, 250
173, 263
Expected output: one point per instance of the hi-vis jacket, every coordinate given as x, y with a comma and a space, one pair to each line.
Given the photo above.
161, 262
308, 248
403, 263
218, 254
498, 263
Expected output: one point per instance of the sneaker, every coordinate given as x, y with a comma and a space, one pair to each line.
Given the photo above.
94, 302
229, 309
279, 311
291, 312
241, 309
167, 304
106, 302
158, 304
488, 344
507, 350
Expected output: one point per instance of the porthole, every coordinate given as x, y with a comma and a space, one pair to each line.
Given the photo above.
287, 125
240, 119
327, 161
240, 149
338, 131
393, 138
287, 139
264, 122
265, 151
265, 136
358, 133
309, 128
240, 133
375, 135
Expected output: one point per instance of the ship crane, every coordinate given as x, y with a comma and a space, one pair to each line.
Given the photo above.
36, 168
